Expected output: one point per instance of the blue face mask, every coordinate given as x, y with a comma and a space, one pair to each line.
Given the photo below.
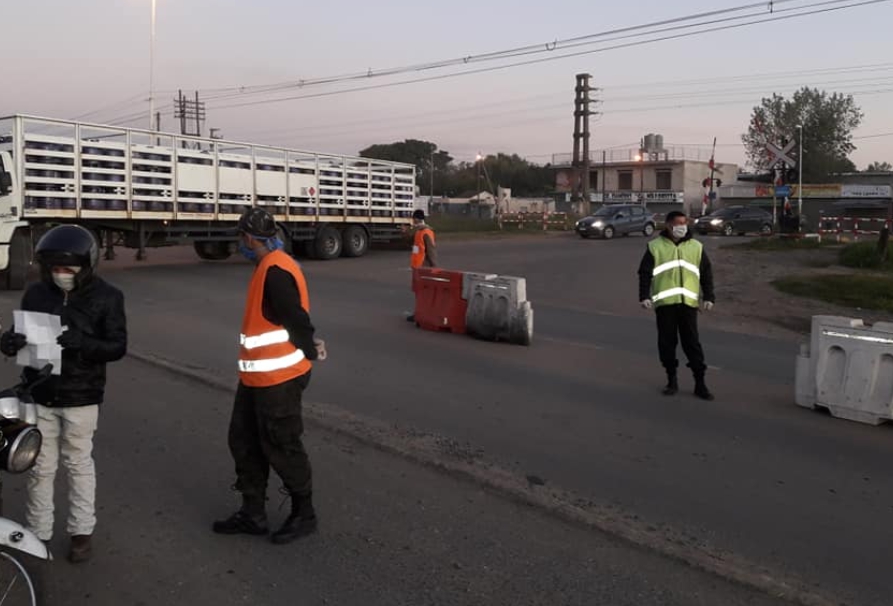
247, 252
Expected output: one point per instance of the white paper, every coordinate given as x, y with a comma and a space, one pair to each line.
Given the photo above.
41, 330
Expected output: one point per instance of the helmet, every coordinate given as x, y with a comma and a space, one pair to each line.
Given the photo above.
68, 245
258, 223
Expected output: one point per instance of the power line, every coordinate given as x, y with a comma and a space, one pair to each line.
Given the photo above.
774, 18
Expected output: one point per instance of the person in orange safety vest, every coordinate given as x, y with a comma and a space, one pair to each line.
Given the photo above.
275, 361
424, 248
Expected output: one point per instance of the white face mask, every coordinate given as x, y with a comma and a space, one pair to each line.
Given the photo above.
64, 280
679, 231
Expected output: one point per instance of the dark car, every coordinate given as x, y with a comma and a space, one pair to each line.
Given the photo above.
616, 219
735, 220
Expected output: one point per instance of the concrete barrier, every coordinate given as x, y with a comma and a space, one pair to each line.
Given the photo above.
848, 369
498, 309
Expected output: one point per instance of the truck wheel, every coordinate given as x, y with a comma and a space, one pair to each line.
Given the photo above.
355, 241
16, 274
212, 251
327, 244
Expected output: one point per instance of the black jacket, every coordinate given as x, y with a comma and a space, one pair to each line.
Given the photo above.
96, 310
283, 305
646, 272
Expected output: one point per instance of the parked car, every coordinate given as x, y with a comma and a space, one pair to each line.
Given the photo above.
735, 220
616, 219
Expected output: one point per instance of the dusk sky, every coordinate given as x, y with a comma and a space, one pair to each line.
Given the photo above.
73, 58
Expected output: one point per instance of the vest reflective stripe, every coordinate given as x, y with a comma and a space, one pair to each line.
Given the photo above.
674, 292
273, 364
677, 273
267, 338
678, 263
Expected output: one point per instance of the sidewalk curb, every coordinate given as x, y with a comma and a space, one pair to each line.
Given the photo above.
460, 461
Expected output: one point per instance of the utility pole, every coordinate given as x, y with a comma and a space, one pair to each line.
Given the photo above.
187, 110
581, 161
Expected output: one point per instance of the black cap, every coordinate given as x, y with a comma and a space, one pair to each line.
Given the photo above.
258, 223
419, 214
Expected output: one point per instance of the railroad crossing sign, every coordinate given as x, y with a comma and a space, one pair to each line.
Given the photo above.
777, 154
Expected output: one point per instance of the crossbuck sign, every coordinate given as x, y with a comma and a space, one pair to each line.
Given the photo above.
777, 154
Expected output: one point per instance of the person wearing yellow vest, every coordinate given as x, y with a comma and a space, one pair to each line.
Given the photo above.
424, 247
277, 346
676, 279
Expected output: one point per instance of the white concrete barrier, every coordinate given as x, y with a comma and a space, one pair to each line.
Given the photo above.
848, 369
498, 309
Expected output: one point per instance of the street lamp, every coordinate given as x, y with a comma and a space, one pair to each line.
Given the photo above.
152, 68
800, 180
641, 159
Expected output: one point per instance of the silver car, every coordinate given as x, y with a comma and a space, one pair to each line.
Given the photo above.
616, 220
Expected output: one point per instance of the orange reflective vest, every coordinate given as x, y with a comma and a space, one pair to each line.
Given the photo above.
418, 246
267, 356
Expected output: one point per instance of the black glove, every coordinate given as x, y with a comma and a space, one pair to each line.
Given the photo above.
11, 342
72, 338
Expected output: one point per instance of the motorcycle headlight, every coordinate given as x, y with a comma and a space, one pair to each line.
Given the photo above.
22, 445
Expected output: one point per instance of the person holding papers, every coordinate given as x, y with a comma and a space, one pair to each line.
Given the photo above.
94, 333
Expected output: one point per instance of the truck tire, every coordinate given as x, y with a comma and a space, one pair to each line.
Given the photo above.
328, 244
212, 251
16, 274
355, 241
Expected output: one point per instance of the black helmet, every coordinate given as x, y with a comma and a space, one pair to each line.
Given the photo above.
258, 223
68, 245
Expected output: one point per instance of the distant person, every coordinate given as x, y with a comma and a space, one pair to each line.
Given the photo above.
424, 247
275, 361
92, 312
675, 277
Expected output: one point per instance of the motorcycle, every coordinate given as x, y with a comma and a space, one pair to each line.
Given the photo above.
20, 443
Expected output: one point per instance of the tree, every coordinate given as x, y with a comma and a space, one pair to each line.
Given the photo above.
414, 151
879, 167
828, 123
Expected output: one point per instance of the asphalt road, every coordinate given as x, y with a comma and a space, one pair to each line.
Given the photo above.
796, 491
391, 533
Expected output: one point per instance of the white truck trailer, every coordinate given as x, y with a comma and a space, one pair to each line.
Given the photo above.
140, 189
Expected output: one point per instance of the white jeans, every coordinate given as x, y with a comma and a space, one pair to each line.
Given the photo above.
68, 431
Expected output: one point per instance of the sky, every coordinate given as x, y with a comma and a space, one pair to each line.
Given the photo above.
89, 59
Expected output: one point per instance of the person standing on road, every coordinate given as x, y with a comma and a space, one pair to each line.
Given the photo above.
277, 347
424, 248
92, 312
675, 277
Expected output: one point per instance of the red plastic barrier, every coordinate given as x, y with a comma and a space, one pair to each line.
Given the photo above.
438, 299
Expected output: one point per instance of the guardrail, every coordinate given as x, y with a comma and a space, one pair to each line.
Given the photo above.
545, 221
843, 227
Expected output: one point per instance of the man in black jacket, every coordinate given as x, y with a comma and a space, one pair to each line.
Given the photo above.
95, 333
675, 278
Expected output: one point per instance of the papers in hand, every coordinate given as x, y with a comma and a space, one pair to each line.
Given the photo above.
41, 330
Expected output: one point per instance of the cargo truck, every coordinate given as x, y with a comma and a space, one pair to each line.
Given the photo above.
140, 189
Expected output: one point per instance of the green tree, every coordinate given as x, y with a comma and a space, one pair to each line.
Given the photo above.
828, 122
879, 167
414, 151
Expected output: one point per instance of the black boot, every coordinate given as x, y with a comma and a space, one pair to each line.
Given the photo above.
250, 519
701, 388
672, 384
300, 522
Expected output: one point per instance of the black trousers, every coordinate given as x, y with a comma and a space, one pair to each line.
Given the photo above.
675, 323
265, 431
